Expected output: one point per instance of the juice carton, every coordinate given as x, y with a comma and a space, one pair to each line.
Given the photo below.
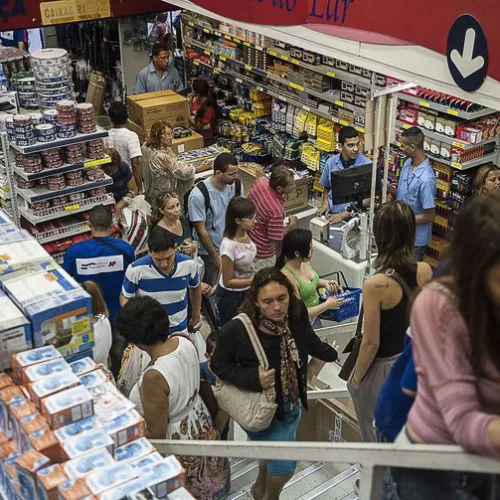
83, 366
27, 465
109, 477
88, 463
180, 494
48, 479
85, 443
109, 403
9, 395
134, 450
67, 407
51, 385
72, 430
74, 490
30, 424
28, 358
45, 441
143, 464
36, 372
19, 410
166, 476
93, 379
125, 428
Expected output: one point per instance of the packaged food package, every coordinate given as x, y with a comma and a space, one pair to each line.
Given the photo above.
27, 465
125, 428
22, 360
109, 477
133, 450
88, 463
48, 480
52, 385
85, 443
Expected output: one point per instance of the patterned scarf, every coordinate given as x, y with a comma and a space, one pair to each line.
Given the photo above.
289, 355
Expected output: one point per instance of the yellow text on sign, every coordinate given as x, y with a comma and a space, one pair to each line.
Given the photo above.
66, 11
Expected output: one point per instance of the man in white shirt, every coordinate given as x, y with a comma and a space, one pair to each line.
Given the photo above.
125, 141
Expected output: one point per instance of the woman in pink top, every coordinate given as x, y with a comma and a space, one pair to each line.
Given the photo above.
455, 323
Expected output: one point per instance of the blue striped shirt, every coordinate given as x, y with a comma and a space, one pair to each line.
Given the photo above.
143, 277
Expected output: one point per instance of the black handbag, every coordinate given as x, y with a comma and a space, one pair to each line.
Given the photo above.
354, 345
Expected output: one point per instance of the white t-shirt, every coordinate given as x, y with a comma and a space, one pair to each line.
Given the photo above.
125, 142
243, 255
103, 339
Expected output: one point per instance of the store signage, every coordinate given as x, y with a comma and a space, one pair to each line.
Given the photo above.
467, 53
69, 11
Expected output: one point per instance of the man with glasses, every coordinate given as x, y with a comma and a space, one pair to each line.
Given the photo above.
348, 157
268, 196
207, 206
160, 74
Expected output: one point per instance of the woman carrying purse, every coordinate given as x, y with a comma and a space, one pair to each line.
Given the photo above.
286, 338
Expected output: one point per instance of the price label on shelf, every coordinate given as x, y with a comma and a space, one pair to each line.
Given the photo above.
285, 58
456, 165
296, 86
95, 163
458, 145
206, 30
191, 24
344, 123
272, 53
424, 104
407, 126
83, 229
452, 112
248, 67
227, 37
196, 62
361, 130
223, 58
339, 103
237, 40
216, 71
295, 61
69, 208
239, 80
247, 44
207, 52
260, 89
306, 108
331, 74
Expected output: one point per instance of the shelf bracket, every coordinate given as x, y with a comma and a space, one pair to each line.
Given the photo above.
394, 88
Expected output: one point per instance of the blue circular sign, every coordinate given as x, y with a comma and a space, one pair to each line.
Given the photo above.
467, 53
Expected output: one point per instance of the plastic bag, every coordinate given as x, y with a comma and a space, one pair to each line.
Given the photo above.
134, 222
134, 362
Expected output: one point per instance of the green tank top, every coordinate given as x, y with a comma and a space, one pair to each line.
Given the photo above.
308, 290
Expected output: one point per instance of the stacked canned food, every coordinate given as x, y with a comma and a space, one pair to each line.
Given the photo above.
95, 149
31, 164
73, 153
95, 174
52, 158
52, 70
24, 84
24, 130
66, 119
85, 118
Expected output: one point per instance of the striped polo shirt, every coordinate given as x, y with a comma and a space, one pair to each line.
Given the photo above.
269, 218
143, 277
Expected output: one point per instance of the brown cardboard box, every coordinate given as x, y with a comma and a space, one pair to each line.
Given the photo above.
95, 91
190, 143
146, 109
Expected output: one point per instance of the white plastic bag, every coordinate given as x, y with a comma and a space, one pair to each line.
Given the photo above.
134, 221
134, 362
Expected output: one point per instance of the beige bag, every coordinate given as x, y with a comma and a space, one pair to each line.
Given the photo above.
253, 411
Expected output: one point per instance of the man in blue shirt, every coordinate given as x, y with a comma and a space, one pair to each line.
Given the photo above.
102, 259
417, 187
170, 278
347, 158
160, 74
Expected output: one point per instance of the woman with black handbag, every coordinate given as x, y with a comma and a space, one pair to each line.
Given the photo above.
386, 299
276, 324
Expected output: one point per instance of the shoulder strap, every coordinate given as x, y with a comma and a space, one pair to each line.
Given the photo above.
254, 339
402, 283
114, 247
206, 195
237, 188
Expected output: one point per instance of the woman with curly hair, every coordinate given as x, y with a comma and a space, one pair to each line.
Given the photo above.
167, 393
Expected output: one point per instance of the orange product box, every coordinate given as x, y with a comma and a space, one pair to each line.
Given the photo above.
125, 428
8, 396
45, 441
27, 358
30, 424
74, 490
36, 372
5, 381
18, 411
27, 465
51, 385
48, 480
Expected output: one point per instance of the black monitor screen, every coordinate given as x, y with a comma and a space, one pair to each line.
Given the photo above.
352, 184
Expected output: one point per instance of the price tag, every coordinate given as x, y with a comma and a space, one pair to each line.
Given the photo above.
295, 61
247, 44
407, 126
237, 40
306, 108
296, 87
458, 145
227, 37
69, 208
196, 62
361, 130
206, 30
223, 58
339, 103
94, 163
239, 80
424, 104
259, 48
452, 112
191, 24
84, 228
331, 74
207, 52
216, 71
260, 89
272, 53
456, 165
248, 67
285, 58
217, 33
344, 123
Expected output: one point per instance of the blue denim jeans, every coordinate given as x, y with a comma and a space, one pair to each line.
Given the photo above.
419, 252
228, 302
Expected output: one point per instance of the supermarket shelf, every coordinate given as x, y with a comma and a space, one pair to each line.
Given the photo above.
59, 143
446, 109
199, 45
197, 62
64, 210
446, 138
58, 257
61, 170
469, 164
42, 193
64, 232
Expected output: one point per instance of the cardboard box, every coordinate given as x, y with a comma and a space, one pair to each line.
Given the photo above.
27, 466
52, 384
45, 441
109, 477
15, 331
85, 443
23, 360
171, 107
88, 463
9, 395
166, 477
74, 490
48, 480
41, 370
125, 428
96, 89
18, 411
30, 424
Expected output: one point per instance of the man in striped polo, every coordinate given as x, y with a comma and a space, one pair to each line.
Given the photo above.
169, 277
268, 198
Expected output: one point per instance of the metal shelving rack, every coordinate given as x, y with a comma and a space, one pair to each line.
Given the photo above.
9, 202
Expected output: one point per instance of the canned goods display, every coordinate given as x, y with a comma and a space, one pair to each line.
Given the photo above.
40, 205
22, 120
46, 132
50, 115
43, 181
56, 182
66, 131
37, 118
66, 106
57, 202
23, 184
76, 197
97, 191
34, 168
95, 174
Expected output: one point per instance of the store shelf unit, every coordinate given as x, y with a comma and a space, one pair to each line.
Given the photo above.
63, 232
8, 200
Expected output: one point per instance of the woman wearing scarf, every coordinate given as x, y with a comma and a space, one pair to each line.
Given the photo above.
282, 325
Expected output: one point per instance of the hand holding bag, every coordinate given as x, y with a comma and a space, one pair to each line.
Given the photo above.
253, 411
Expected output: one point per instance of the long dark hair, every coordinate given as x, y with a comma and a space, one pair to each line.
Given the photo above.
297, 240
474, 251
260, 280
202, 88
394, 228
238, 208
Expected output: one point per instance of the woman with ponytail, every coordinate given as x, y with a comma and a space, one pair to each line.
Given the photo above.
203, 110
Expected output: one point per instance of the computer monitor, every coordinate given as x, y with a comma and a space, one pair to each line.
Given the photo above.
353, 184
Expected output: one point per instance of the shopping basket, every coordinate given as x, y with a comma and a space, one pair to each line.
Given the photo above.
351, 300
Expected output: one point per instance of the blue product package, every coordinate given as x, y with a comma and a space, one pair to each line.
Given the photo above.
125, 428
124, 490
93, 379
110, 477
73, 430
86, 442
134, 450
82, 366
88, 463
52, 384
166, 477
41, 370
144, 464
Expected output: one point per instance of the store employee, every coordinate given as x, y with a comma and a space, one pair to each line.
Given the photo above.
160, 74
348, 157
417, 187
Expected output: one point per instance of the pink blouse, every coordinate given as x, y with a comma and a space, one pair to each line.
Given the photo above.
452, 406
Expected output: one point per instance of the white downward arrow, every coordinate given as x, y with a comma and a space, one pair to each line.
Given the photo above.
464, 62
